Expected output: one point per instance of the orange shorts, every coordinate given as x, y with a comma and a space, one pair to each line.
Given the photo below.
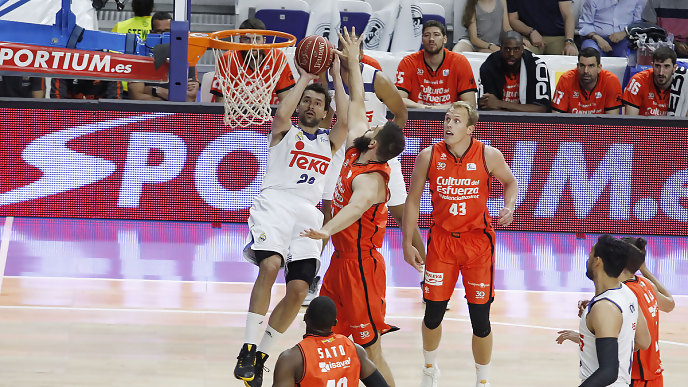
358, 289
471, 254
657, 382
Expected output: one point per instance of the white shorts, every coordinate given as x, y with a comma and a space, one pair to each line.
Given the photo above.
397, 186
275, 221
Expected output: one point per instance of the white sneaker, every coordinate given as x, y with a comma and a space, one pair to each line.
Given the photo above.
312, 291
478, 384
431, 377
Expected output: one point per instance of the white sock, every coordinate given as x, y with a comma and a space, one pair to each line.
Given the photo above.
269, 339
430, 357
482, 371
253, 327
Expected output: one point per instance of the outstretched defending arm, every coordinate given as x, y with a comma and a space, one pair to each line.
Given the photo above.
282, 122
358, 122
412, 207
369, 189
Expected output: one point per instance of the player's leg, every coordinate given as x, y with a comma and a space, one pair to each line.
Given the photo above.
478, 280
374, 352
441, 274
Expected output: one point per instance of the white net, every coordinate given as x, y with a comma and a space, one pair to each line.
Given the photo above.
247, 80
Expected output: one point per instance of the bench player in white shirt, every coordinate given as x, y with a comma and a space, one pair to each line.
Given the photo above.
611, 325
298, 160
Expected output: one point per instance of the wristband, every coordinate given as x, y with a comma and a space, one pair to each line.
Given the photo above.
489, 45
154, 92
569, 40
531, 32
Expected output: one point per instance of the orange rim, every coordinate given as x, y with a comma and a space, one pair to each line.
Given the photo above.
213, 40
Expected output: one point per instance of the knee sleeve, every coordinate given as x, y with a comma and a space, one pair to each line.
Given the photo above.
303, 269
434, 313
480, 319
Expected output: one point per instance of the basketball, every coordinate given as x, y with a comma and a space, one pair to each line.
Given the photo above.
314, 54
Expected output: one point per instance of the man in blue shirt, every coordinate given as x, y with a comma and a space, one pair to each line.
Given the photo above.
603, 24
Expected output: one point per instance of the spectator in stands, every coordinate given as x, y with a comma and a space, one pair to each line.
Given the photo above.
548, 24
672, 15
485, 21
286, 77
22, 87
647, 93
85, 89
514, 79
160, 23
434, 77
140, 24
588, 89
603, 24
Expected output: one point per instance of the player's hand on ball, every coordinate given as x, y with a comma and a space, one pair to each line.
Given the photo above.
506, 216
568, 335
315, 234
413, 258
304, 73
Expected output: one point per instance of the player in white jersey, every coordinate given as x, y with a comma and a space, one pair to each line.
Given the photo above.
611, 325
298, 160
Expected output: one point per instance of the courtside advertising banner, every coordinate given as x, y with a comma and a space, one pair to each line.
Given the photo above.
191, 167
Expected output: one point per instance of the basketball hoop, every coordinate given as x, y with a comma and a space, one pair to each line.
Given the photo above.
247, 71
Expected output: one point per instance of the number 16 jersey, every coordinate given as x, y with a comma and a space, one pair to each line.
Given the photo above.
459, 188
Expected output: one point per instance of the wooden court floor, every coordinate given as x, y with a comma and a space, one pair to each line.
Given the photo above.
131, 333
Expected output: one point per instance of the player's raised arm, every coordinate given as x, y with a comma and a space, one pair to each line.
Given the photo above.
412, 207
665, 301
389, 95
341, 127
357, 120
498, 168
282, 122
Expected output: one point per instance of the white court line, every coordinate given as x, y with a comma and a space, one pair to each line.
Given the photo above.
235, 313
5, 245
281, 284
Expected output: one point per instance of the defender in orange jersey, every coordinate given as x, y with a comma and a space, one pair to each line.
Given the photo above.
355, 279
588, 89
652, 297
461, 239
324, 358
648, 92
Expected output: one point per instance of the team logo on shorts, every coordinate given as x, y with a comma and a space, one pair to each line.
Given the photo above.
360, 326
441, 166
434, 279
262, 237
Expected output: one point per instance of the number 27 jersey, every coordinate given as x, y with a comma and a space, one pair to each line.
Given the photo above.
297, 164
459, 188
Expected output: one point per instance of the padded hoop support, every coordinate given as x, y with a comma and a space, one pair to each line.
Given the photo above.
75, 37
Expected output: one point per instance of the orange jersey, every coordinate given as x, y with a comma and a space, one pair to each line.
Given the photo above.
646, 364
268, 70
369, 60
366, 233
642, 93
459, 188
512, 87
445, 85
569, 97
329, 360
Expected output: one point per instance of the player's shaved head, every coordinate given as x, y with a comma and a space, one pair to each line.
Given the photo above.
321, 315
512, 35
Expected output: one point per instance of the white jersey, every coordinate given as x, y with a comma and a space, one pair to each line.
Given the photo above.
627, 303
298, 164
376, 110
